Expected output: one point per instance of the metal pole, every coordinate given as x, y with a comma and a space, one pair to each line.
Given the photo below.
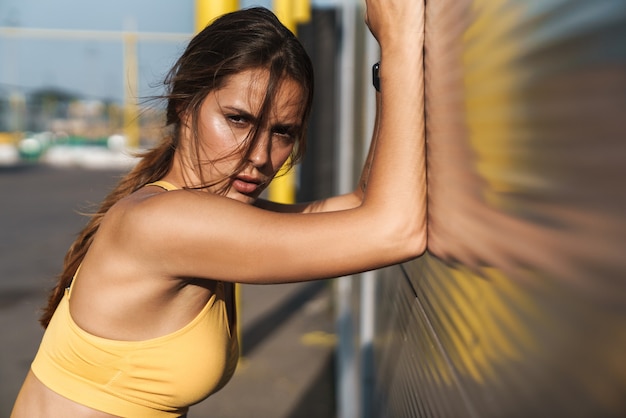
368, 279
347, 367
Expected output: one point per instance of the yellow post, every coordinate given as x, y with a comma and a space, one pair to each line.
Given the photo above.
207, 10
302, 11
290, 13
131, 111
283, 9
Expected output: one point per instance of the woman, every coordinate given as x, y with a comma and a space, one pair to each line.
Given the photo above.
142, 321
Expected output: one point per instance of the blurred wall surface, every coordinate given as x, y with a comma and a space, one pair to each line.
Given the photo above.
518, 309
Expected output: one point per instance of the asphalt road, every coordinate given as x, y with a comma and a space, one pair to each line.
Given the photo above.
287, 341
39, 217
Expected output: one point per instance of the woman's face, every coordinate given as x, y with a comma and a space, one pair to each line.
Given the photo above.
227, 117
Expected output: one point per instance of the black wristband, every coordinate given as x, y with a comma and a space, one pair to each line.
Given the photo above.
376, 76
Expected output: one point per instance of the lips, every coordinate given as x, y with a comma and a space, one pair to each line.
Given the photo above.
246, 185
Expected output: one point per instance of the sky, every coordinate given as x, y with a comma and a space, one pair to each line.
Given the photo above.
94, 68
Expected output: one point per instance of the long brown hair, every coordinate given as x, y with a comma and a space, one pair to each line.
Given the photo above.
245, 39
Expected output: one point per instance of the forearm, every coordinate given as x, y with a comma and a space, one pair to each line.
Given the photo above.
398, 157
396, 185
367, 166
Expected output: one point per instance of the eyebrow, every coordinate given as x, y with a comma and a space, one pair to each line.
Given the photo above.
242, 112
246, 114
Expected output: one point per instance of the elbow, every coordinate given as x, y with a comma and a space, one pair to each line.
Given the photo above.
405, 239
411, 242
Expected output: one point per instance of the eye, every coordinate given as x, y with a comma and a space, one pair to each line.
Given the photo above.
238, 120
286, 133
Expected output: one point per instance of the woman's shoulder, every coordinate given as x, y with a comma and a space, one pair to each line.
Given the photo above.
149, 201
152, 219
132, 219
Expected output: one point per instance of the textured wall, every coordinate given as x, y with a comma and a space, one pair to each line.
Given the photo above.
519, 307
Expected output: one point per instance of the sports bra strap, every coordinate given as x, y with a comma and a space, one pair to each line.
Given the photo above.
164, 185
70, 286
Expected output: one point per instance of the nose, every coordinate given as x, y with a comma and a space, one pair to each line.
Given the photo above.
260, 150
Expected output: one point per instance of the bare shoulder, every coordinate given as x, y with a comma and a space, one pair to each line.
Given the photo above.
153, 225
120, 251
139, 215
125, 289
149, 206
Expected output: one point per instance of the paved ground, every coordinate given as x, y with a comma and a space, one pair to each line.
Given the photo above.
287, 366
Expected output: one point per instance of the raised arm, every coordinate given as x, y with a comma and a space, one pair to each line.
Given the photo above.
197, 234
398, 167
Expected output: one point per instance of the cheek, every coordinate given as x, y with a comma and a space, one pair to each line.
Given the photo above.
217, 139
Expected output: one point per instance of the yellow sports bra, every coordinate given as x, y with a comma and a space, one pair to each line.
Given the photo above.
159, 377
